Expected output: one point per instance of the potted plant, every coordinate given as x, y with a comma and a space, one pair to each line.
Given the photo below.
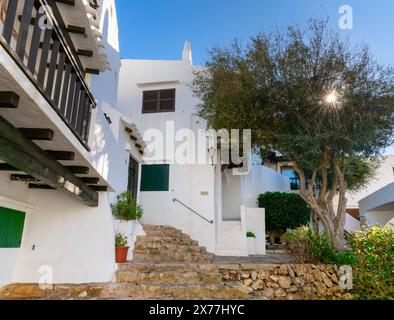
127, 212
121, 248
251, 242
126, 208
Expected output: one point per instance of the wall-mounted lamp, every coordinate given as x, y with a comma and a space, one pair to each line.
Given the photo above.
212, 154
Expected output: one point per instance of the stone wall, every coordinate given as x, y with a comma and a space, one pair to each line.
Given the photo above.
287, 282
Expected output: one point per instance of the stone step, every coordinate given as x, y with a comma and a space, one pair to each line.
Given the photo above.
169, 277
167, 239
124, 291
168, 247
192, 292
162, 267
162, 230
172, 257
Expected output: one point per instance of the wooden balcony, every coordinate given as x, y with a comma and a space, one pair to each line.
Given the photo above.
45, 101
49, 59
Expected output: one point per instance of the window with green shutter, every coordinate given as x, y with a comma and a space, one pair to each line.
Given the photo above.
155, 177
11, 228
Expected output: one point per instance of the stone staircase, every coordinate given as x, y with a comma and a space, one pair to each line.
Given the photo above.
167, 244
167, 265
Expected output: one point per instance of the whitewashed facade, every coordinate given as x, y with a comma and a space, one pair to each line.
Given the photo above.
203, 193
66, 228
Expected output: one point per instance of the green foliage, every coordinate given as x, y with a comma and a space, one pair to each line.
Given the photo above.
120, 240
277, 85
126, 208
374, 273
308, 246
250, 234
284, 210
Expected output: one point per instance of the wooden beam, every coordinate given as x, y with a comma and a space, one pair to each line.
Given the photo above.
85, 53
23, 154
62, 155
134, 138
8, 168
68, 2
22, 178
76, 29
92, 71
40, 186
78, 169
91, 180
9, 99
128, 130
100, 188
37, 134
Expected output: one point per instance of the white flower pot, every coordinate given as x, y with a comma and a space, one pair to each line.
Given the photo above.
251, 247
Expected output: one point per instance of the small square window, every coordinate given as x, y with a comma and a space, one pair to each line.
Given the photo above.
158, 101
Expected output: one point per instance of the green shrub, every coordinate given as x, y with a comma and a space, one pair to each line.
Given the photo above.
120, 240
284, 210
126, 208
374, 273
308, 246
250, 234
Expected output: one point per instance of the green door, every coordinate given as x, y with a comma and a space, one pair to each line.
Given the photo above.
11, 228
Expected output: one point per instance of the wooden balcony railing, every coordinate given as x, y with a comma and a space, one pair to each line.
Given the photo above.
49, 58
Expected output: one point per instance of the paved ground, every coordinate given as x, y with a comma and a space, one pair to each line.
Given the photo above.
277, 258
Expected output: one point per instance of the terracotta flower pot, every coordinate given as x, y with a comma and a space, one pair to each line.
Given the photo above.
121, 254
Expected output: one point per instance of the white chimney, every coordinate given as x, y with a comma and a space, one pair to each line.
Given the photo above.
187, 53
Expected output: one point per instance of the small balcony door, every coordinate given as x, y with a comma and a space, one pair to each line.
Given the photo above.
133, 178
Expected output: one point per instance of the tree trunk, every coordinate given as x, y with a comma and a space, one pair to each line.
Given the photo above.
322, 205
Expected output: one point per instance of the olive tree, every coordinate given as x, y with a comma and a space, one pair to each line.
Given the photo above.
306, 93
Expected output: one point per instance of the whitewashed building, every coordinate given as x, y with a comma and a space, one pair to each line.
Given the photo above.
55, 84
203, 200
72, 121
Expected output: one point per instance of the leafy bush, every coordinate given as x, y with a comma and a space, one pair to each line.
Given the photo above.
374, 273
284, 210
126, 208
120, 240
308, 246
250, 234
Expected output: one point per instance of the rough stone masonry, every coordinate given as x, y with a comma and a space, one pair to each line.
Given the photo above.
287, 282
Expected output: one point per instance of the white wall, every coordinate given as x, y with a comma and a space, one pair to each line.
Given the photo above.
383, 177
381, 218
254, 221
13, 196
76, 241
186, 184
378, 207
244, 190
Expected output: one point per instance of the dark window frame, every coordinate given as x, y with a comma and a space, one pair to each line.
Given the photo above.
158, 101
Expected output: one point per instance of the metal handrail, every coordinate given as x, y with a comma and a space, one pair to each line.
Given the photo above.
195, 212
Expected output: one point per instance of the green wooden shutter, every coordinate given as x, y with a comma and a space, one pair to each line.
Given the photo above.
11, 228
155, 177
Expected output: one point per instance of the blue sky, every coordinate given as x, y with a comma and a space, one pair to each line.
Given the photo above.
157, 29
